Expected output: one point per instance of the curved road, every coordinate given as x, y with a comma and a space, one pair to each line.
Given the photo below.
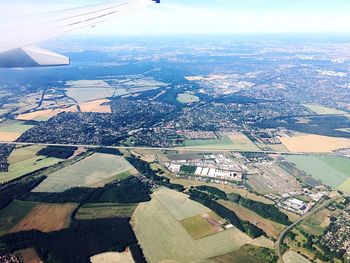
281, 237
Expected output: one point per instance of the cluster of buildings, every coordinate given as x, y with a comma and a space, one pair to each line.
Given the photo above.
301, 207
337, 238
216, 166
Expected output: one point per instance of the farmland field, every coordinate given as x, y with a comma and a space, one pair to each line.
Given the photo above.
317, 223
93, 171
113, 257
105, 210
14, 213
202, 225
330, 170
293, 257
322, 110
95, 106
175, 243
12, 130
226, 142
46, 218
29, 255
308, 143
187, 98
23, 160
44, 115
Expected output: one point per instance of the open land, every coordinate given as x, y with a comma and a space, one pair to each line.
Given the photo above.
229, 141
330, 170
12, 214
24, 160
46, 218
314, 143
12, 130
43, 115
293, 257
93, 171
95, 106
108, 210
29, 255
322, 110
175, 243
113, 257
187, 98
317, 223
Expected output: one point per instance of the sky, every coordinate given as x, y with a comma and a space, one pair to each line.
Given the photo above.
210, 16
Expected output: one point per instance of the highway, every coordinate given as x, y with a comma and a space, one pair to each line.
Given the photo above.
190, 149
281, 237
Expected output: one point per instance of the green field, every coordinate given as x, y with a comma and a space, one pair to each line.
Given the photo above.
198, 227
187, 98
14, 126
293, 257
247, 254
13, 213
105, 210
24, 160
175, 243
330, 170
223, 143
322, 110
93, 171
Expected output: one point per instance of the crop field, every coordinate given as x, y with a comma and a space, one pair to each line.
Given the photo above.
29, 255
317, 223
175, 243
23, 160
272, 229
44, 115
12, 130
105, 210
88, 94
322, 110
46, 218
226, 142
13, 214
113, 257
96, 106
293, 257
330, 170
248, 253
203, 225
187, 98
308, 143
93, 171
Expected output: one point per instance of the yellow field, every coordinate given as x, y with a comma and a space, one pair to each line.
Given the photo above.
314, 143
95, 106
9, 136
345, 187
45, 114
46, 218
113, 257
242, 142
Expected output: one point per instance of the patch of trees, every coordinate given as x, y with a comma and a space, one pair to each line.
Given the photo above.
61, 152
268, 211
15, 189
5, 151
145, 169
130, 190
213, 190
109, 151
83, 239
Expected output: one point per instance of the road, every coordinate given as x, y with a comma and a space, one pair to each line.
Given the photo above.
190, 149
281, 237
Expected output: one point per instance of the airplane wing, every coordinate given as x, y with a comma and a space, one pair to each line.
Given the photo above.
17, 42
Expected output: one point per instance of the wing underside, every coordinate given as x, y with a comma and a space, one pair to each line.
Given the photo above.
16, 46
